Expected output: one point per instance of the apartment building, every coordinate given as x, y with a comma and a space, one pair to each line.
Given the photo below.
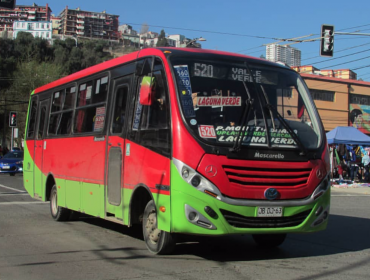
286, 54
23, 13
55, 24
80, 23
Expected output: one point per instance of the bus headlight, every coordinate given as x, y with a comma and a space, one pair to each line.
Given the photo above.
196, 180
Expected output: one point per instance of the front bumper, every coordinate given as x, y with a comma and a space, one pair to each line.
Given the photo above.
191, 215
11, 169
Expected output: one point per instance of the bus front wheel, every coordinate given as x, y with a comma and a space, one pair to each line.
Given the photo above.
157, 241
58, 213
269, 240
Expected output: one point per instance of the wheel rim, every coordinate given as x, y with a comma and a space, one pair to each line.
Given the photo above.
152, 232
53, 201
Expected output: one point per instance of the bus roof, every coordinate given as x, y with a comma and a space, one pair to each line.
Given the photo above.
141, 53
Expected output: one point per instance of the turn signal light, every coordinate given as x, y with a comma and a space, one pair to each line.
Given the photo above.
162, 209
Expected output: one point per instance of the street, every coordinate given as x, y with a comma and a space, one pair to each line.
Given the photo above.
33, 246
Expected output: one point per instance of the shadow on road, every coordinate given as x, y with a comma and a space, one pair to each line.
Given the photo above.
344, 234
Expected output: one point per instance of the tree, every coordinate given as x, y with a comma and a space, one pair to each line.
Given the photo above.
144, 28
162, 41
27, 77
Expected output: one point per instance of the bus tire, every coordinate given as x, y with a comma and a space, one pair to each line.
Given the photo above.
157, 241
58, 213
269, 240
12, 174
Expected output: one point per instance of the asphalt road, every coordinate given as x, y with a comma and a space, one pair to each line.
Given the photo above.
33, 246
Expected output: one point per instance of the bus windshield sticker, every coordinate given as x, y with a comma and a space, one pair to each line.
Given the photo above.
207, 131
183, 81
99, 119
88, 92
104, 80
73, 89
193, 121
56, 95
218, 101
254, 135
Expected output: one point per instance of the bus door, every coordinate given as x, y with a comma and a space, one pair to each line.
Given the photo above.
40, 146
116, 149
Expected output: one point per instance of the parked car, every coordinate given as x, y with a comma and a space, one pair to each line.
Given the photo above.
12, 162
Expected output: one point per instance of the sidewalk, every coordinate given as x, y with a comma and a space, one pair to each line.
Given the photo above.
356, 188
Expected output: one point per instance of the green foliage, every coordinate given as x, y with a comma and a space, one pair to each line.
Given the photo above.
162, 41
27, 63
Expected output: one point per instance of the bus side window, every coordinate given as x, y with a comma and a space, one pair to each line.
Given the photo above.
152, 123
90, 106
32, 121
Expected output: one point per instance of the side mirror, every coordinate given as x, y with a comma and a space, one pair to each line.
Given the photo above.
146, 90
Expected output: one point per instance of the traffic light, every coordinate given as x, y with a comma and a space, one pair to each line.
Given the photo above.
327, 40
13, 119
7, 4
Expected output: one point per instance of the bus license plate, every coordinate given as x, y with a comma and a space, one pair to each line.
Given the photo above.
6, 167
270, 212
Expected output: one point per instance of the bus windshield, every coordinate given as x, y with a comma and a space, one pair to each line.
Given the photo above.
255, 104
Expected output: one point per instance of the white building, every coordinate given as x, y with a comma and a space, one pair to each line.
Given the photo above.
286, 54
179, 40
42, 29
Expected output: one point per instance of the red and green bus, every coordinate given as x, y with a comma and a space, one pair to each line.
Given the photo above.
181, 141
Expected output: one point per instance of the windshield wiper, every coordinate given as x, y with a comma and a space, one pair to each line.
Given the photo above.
271, 108
240, 136
268, 102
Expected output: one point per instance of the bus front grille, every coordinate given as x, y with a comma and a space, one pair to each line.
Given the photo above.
269, 177
240, 221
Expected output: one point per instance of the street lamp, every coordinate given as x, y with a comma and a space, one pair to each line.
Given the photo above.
193, 44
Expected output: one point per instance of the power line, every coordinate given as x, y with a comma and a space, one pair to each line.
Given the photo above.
209, 31
318, 62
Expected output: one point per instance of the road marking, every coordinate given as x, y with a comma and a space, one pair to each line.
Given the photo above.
23, 202
13, 189
9, 194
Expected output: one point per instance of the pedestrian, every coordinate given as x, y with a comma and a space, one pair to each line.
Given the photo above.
365, 161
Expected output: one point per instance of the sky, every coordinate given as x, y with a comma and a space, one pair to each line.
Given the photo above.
245, 26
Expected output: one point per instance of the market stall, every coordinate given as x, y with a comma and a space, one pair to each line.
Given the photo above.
348, 147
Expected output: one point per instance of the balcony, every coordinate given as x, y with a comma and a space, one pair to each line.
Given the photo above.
80, 27
31, 17
79, 32
32, 12
80, 21
80, 16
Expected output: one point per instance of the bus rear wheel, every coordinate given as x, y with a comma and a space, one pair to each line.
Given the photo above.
269, 240
58, 213
157, 241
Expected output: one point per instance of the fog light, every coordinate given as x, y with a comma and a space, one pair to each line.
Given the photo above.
195, 181
192, 216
